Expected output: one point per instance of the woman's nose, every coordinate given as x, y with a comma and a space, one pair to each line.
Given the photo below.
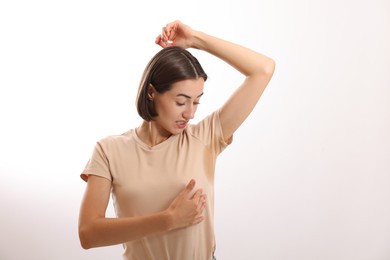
189, 113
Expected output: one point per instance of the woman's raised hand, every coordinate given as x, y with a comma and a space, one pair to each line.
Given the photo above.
175, 34
186, 211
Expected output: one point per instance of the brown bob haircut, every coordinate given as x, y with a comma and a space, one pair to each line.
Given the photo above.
168, 66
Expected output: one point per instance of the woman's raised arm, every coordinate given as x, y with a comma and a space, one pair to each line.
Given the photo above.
257, 69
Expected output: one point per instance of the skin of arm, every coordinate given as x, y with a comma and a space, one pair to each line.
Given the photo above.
96, 230
257, 69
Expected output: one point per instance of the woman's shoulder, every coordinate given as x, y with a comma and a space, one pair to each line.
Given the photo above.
117, 138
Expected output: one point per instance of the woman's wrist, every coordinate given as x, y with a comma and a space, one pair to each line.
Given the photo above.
198, 40
167, 220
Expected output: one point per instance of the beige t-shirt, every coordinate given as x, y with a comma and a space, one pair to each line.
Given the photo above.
147, 179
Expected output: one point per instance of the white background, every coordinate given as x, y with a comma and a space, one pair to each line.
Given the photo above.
308, 174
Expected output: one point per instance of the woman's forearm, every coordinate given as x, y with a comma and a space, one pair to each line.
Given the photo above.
247, 61
112, 231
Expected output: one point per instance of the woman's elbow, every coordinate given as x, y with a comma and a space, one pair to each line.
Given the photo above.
270, 67
85, 238
265, 68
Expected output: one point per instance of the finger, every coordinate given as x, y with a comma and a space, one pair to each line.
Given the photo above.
173, 25
196, 197
190, 186
171, 37
158, 40
172, 32
161, 44
202, 203
197, 220
202, 207
171, 28
163, 32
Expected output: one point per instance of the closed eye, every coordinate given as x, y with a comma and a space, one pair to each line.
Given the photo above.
182, 104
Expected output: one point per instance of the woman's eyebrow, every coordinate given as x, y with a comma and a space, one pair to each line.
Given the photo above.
186, 96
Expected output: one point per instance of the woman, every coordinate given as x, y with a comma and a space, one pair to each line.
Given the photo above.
161, 174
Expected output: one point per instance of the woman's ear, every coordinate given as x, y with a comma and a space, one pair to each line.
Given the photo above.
151, 91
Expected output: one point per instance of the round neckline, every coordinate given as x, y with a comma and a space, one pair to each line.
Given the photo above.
155, 147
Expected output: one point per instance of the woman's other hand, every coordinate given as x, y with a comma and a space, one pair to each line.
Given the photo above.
175, 34
186, 211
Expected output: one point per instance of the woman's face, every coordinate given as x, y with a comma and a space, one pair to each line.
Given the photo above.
177, 106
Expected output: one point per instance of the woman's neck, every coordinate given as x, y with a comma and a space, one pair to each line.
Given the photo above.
151, 133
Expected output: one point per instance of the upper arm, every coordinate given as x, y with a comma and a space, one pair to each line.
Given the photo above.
241, 103
95, 200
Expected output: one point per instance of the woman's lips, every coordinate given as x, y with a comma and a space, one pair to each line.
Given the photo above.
181, 124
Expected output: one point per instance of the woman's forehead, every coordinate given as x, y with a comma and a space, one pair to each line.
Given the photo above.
192, 88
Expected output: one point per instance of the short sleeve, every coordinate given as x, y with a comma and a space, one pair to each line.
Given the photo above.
97, 165
209, 130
